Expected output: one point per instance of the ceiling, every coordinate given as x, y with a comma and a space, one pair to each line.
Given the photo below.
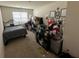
25, 4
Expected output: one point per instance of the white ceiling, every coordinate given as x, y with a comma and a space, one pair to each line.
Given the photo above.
25, 4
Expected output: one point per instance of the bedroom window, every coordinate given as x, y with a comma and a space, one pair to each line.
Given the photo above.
20, 18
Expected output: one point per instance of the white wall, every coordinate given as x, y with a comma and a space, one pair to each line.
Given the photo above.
71, 31
44, 11
1, 38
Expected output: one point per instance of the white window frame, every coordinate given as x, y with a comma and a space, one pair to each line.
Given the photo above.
18, 17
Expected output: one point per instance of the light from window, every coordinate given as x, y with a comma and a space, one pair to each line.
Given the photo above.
20, 18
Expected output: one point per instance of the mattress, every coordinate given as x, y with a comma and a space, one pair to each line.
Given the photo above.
13, 28
13, 32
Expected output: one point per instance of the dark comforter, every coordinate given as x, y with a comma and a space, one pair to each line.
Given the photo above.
13, 32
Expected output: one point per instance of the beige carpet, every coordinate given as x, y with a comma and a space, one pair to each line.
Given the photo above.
26, 47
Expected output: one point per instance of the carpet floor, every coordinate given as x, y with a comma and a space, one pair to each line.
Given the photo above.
26, 47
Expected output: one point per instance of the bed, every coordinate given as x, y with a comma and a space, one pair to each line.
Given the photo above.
11, 32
